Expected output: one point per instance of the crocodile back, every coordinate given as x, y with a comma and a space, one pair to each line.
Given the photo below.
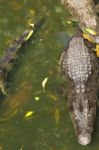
77, 62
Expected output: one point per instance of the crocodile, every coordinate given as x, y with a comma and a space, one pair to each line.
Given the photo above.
7, 60
84, 12
79, 66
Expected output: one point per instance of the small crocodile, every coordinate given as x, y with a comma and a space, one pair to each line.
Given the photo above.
6, 62
80, 67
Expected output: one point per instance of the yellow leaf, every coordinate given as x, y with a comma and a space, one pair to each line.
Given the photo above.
29, 35
44, 83
29, 113
97, 50
87, 37
31, 24
37, 98
90, 31
69, 22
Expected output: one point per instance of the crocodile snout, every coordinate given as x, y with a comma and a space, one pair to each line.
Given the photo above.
84, 139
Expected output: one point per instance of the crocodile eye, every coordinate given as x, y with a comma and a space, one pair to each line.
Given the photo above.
91, 105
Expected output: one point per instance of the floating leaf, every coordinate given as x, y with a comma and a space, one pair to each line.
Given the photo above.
69, 22
44, 83
97, 50
90, 31
32, 25
37, 98
29, 113
29, 35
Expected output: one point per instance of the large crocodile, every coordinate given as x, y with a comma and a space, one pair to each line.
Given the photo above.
80, 68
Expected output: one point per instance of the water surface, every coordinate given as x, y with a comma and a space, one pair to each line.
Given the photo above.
49, 127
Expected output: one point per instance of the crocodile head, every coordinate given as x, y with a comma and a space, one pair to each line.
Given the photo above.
84, 13
83, 115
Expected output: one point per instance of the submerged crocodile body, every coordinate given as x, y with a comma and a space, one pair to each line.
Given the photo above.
80, 68
6, 62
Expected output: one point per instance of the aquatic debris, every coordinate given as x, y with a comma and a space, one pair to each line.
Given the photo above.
44, 83
29, 114
37, 98
29, 35
97, 50
69, 22
89, 30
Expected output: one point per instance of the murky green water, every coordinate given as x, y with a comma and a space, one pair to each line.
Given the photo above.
49, 127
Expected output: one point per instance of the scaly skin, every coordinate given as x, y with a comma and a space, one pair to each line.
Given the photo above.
80, 68
6, 62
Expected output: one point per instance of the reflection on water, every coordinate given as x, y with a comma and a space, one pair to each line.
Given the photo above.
49, 127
